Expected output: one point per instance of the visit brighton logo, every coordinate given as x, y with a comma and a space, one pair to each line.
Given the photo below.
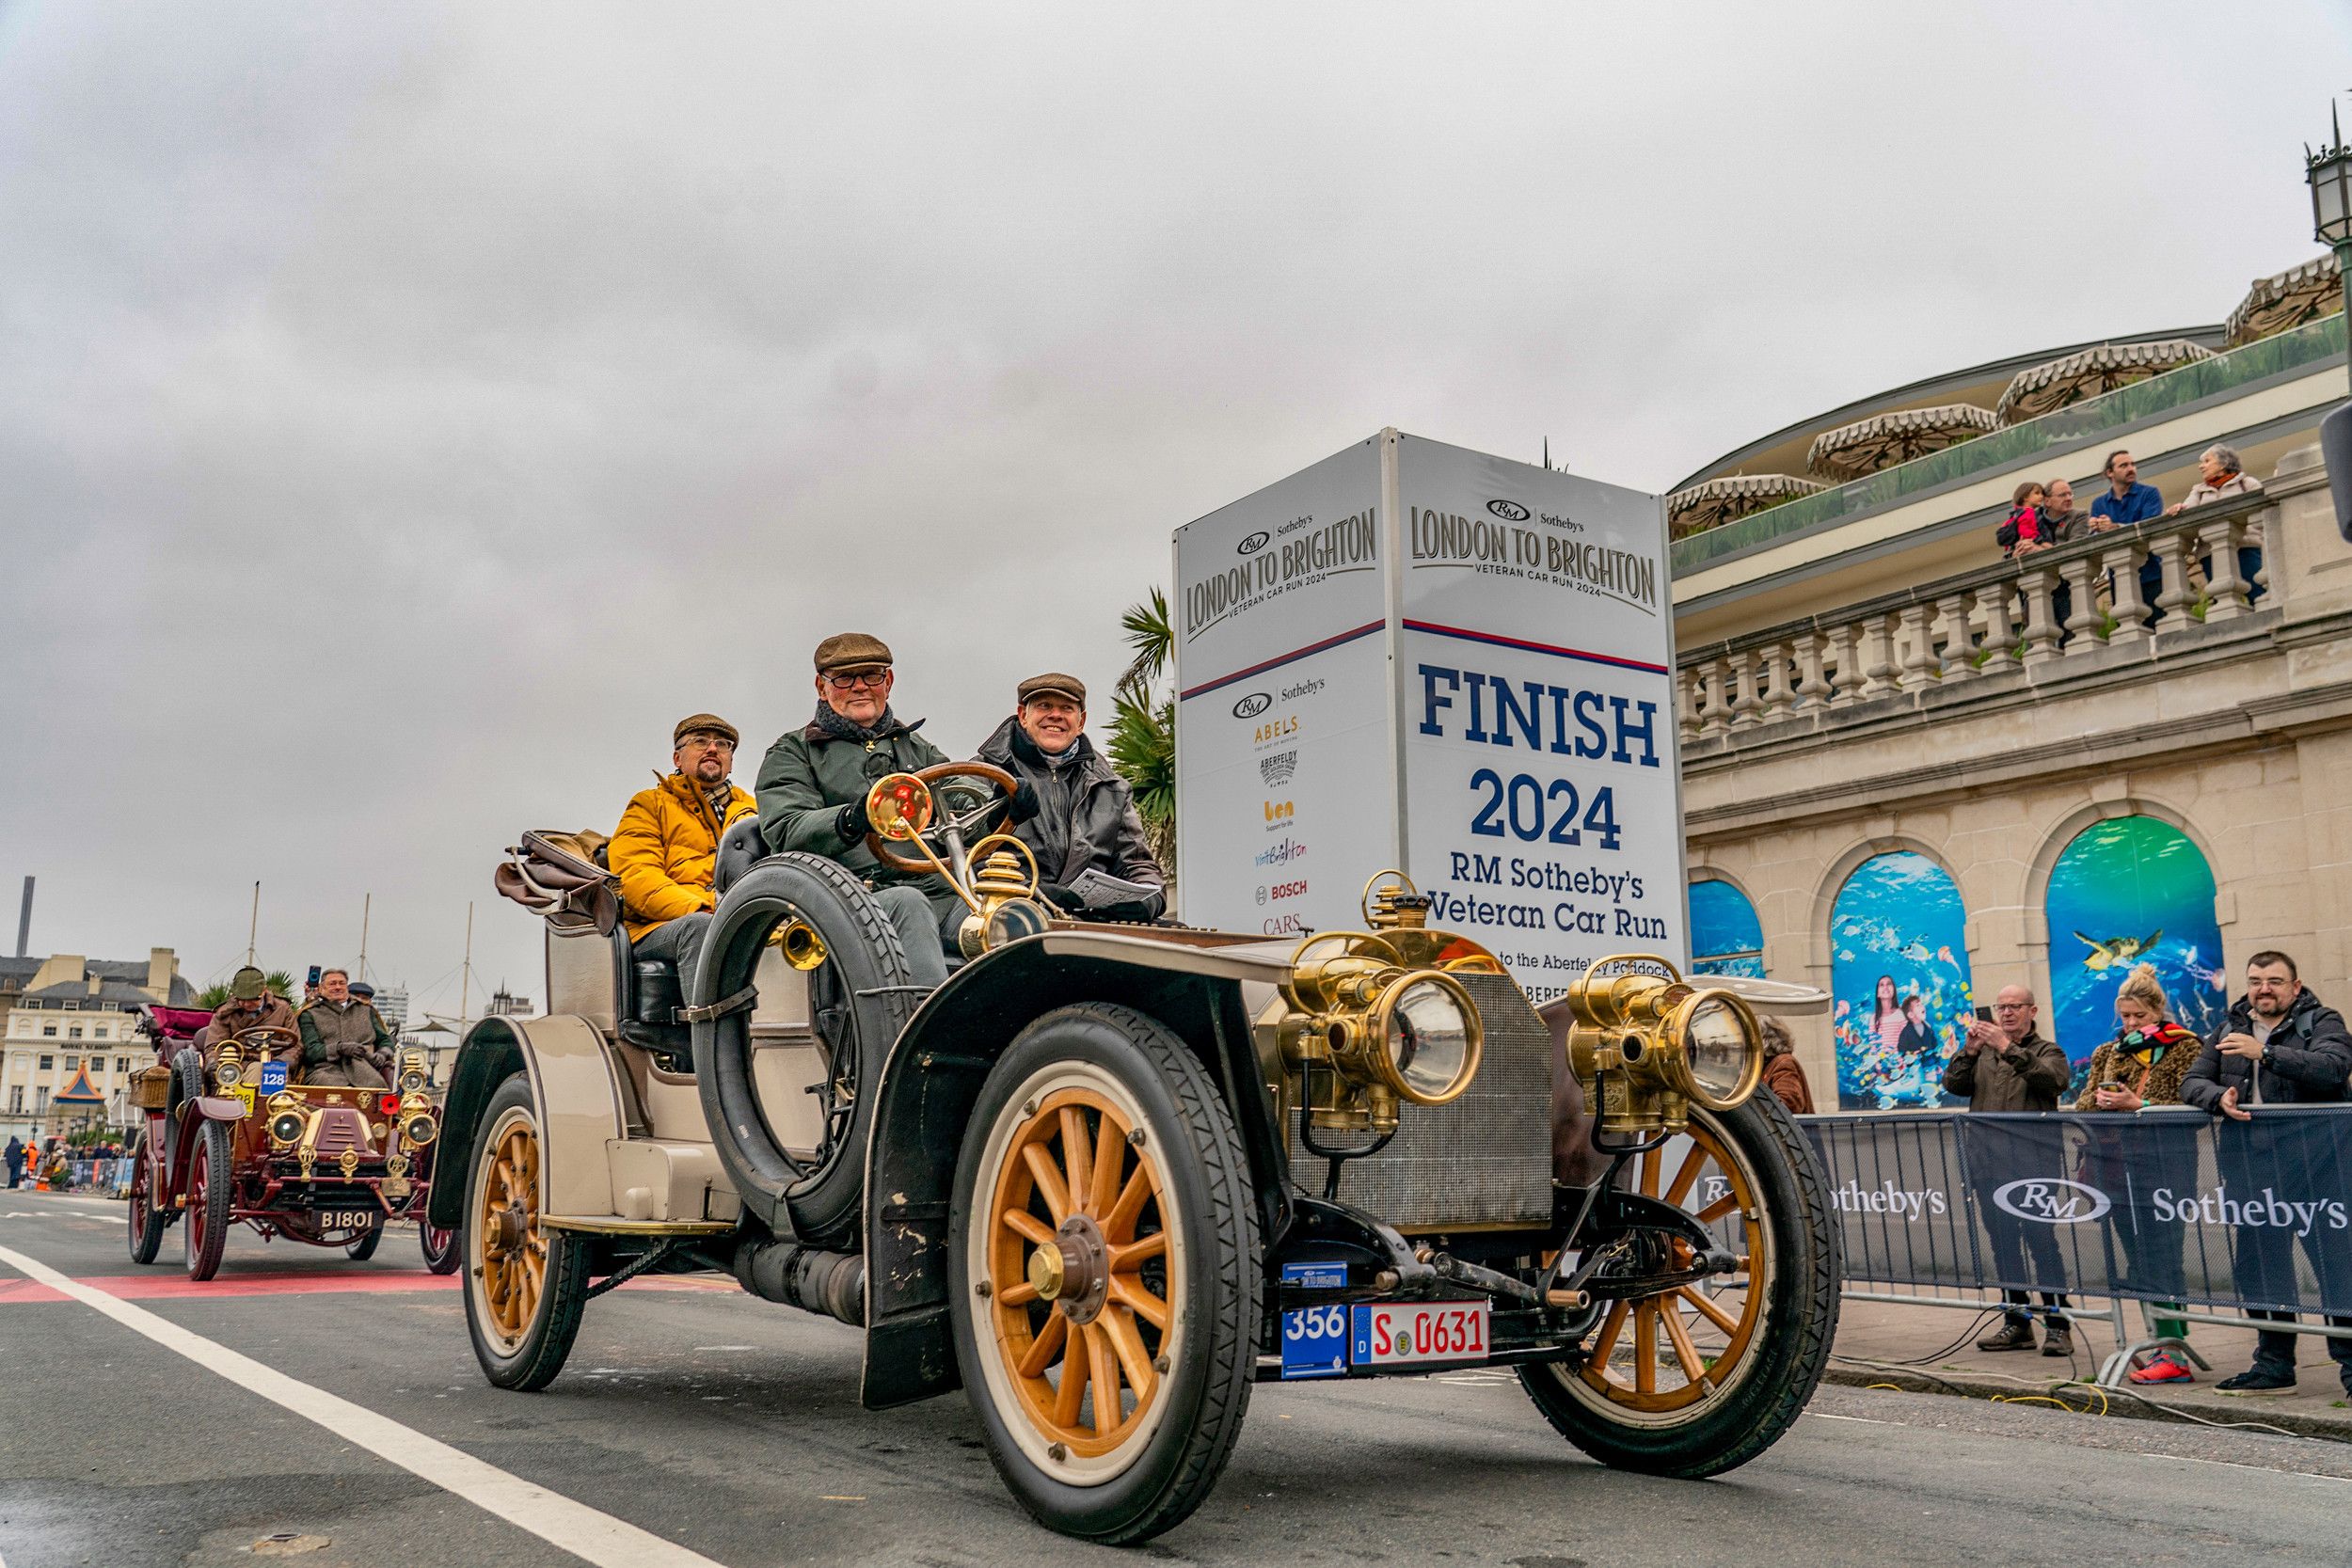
2052, 1200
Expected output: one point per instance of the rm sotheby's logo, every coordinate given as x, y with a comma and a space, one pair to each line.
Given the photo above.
1253, 705
1255, 543
1510, 511
2053, 1200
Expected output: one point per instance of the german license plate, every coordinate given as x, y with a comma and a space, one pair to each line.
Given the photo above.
346, 1219
1401, 1334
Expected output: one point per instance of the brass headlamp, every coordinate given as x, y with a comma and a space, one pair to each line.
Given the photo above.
412, 1074
287, 1122
417, 1126
1368, 1027
228, 1065
1645, 1045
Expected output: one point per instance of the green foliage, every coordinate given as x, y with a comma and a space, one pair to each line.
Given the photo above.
278, 980
1149, 639
1143, 726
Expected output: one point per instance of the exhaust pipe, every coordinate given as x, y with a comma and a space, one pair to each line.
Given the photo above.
832, 1284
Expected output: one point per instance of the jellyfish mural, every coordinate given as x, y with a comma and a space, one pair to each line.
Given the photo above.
1726, 936
1898, 933
2124, 892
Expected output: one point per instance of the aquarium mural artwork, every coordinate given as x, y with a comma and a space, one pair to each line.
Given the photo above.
2129, 891
1898, 973
1726, 936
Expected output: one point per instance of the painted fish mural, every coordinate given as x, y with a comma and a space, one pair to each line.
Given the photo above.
2117, 950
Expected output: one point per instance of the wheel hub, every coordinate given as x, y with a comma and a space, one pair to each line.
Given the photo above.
506, 1233
1081, 1267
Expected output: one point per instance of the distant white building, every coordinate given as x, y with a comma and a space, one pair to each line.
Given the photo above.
505, 1004
392, 1002
66, 1015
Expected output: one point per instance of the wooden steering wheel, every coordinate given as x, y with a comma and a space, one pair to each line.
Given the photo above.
269, 1039
949, 829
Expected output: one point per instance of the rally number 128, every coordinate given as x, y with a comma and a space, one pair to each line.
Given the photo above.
1522, 807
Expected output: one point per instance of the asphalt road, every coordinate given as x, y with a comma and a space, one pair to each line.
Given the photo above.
730, 1428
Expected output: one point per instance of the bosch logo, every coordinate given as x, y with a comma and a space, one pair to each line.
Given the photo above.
1255, 543
1286, 890
1509, 511
1253, 705
2053, 1200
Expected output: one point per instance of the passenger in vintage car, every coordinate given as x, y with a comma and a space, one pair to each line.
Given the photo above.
812, 789
666, 848
1072, 809
344, 1042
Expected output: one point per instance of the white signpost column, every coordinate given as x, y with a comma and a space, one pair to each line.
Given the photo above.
1413, 654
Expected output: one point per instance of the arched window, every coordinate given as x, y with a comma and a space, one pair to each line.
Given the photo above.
1726, 936
2124, 892
1898, 972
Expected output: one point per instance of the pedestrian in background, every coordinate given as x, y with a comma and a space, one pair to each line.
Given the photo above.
2140, 1069
2281, 1046
1782, 1073
2004, 1065
15, 1158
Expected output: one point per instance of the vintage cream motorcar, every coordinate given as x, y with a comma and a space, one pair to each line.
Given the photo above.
1108, 1178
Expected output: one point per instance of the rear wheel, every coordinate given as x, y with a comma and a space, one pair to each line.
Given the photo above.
442, 1252
147, 1221
204, 1224
525, 1286
1104, 1254
1702, 1379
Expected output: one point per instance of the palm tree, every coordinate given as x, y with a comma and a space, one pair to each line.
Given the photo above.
1143, 727
280, 983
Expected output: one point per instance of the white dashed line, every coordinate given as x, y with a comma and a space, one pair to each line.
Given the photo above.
572, 1526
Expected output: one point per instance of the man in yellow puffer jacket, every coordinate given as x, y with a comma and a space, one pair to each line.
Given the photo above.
667, 846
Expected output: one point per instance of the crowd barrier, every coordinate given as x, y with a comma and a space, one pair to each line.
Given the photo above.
107, 1176
2165, 1208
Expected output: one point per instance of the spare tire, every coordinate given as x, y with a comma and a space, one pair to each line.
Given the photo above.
869, 997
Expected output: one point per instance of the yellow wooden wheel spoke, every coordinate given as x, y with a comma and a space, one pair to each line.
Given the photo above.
1124, 1258
1121, 1220
1686, 1178
1649, 1173
1685, 1351
1019, 1293
1130, 1292
1078, 1150
1103, 1376
1646, 1347
1110, 1143
1047, 1345
1072, 1395
1610, 1326
1120, 1328
1048, 1180
1718, 1209
1022, 1223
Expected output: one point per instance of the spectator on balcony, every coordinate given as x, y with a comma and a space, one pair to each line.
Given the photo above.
2281, 1046
2221, 478
2007, 1066
2059, 517
2025, 532
1783, 1074
2126, 500
2142, 1068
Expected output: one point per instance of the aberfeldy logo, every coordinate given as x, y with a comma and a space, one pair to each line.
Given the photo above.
1350, 545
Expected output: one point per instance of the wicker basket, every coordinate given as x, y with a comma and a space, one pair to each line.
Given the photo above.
151, 1088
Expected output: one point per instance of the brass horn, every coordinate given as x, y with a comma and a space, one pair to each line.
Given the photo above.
803, 948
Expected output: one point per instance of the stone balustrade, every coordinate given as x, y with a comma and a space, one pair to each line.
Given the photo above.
2043, 618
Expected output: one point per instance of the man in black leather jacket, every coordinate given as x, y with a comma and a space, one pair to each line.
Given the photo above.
1072, 809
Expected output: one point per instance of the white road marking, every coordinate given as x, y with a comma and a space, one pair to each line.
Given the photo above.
572, 1526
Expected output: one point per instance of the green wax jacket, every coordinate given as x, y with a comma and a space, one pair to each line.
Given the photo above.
810, 774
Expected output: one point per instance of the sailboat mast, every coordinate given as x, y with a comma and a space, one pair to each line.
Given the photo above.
367, 903
253, 927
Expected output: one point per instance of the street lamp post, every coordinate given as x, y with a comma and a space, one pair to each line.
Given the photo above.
2329, 173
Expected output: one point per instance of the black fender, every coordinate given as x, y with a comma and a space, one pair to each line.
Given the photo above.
931, 1081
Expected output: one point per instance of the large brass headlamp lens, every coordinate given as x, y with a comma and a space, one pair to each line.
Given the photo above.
1644, 1044
1427, 1033
229, 1071
1723, 1050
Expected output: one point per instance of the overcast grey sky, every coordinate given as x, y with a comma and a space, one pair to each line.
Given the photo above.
406, 413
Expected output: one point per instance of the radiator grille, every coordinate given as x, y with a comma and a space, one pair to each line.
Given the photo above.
1484, 1160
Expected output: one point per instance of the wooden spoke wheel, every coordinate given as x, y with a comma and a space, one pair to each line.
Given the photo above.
204, 1222
1702, 1378
1106, 1251
525, 1285
147, 1221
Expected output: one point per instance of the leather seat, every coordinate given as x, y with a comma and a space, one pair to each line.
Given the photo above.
740, 848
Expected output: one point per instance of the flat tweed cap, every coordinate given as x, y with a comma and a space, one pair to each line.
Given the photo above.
710, 721
247, 984
1056, 686
853, 650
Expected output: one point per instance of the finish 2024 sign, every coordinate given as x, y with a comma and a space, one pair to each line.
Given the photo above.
1415, 655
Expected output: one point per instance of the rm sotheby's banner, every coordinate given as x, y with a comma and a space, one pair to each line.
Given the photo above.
1415, 654
2162, 1205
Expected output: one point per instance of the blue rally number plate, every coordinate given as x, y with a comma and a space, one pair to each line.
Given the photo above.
273, 1077
1315, 1339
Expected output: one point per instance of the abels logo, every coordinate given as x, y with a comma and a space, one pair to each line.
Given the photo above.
1255, 543
1510, 511
1253, 705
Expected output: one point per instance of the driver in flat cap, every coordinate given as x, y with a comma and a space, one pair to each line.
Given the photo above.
666, 848
251, 1004
812, 793
1075, 811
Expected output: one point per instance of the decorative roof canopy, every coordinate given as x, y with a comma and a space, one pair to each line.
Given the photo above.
81, 1091
2091, 373
1883, 441
1722, 500
2286, 300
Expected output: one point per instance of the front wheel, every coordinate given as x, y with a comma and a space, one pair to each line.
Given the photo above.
1105, 1258
362, 1246
147, 1221
525, 1286
204, 1227
439, 1246
1702, 1379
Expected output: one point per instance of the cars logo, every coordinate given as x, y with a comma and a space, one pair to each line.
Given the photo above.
1255, 543
1253, 705
2052, 1200
1508, 511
